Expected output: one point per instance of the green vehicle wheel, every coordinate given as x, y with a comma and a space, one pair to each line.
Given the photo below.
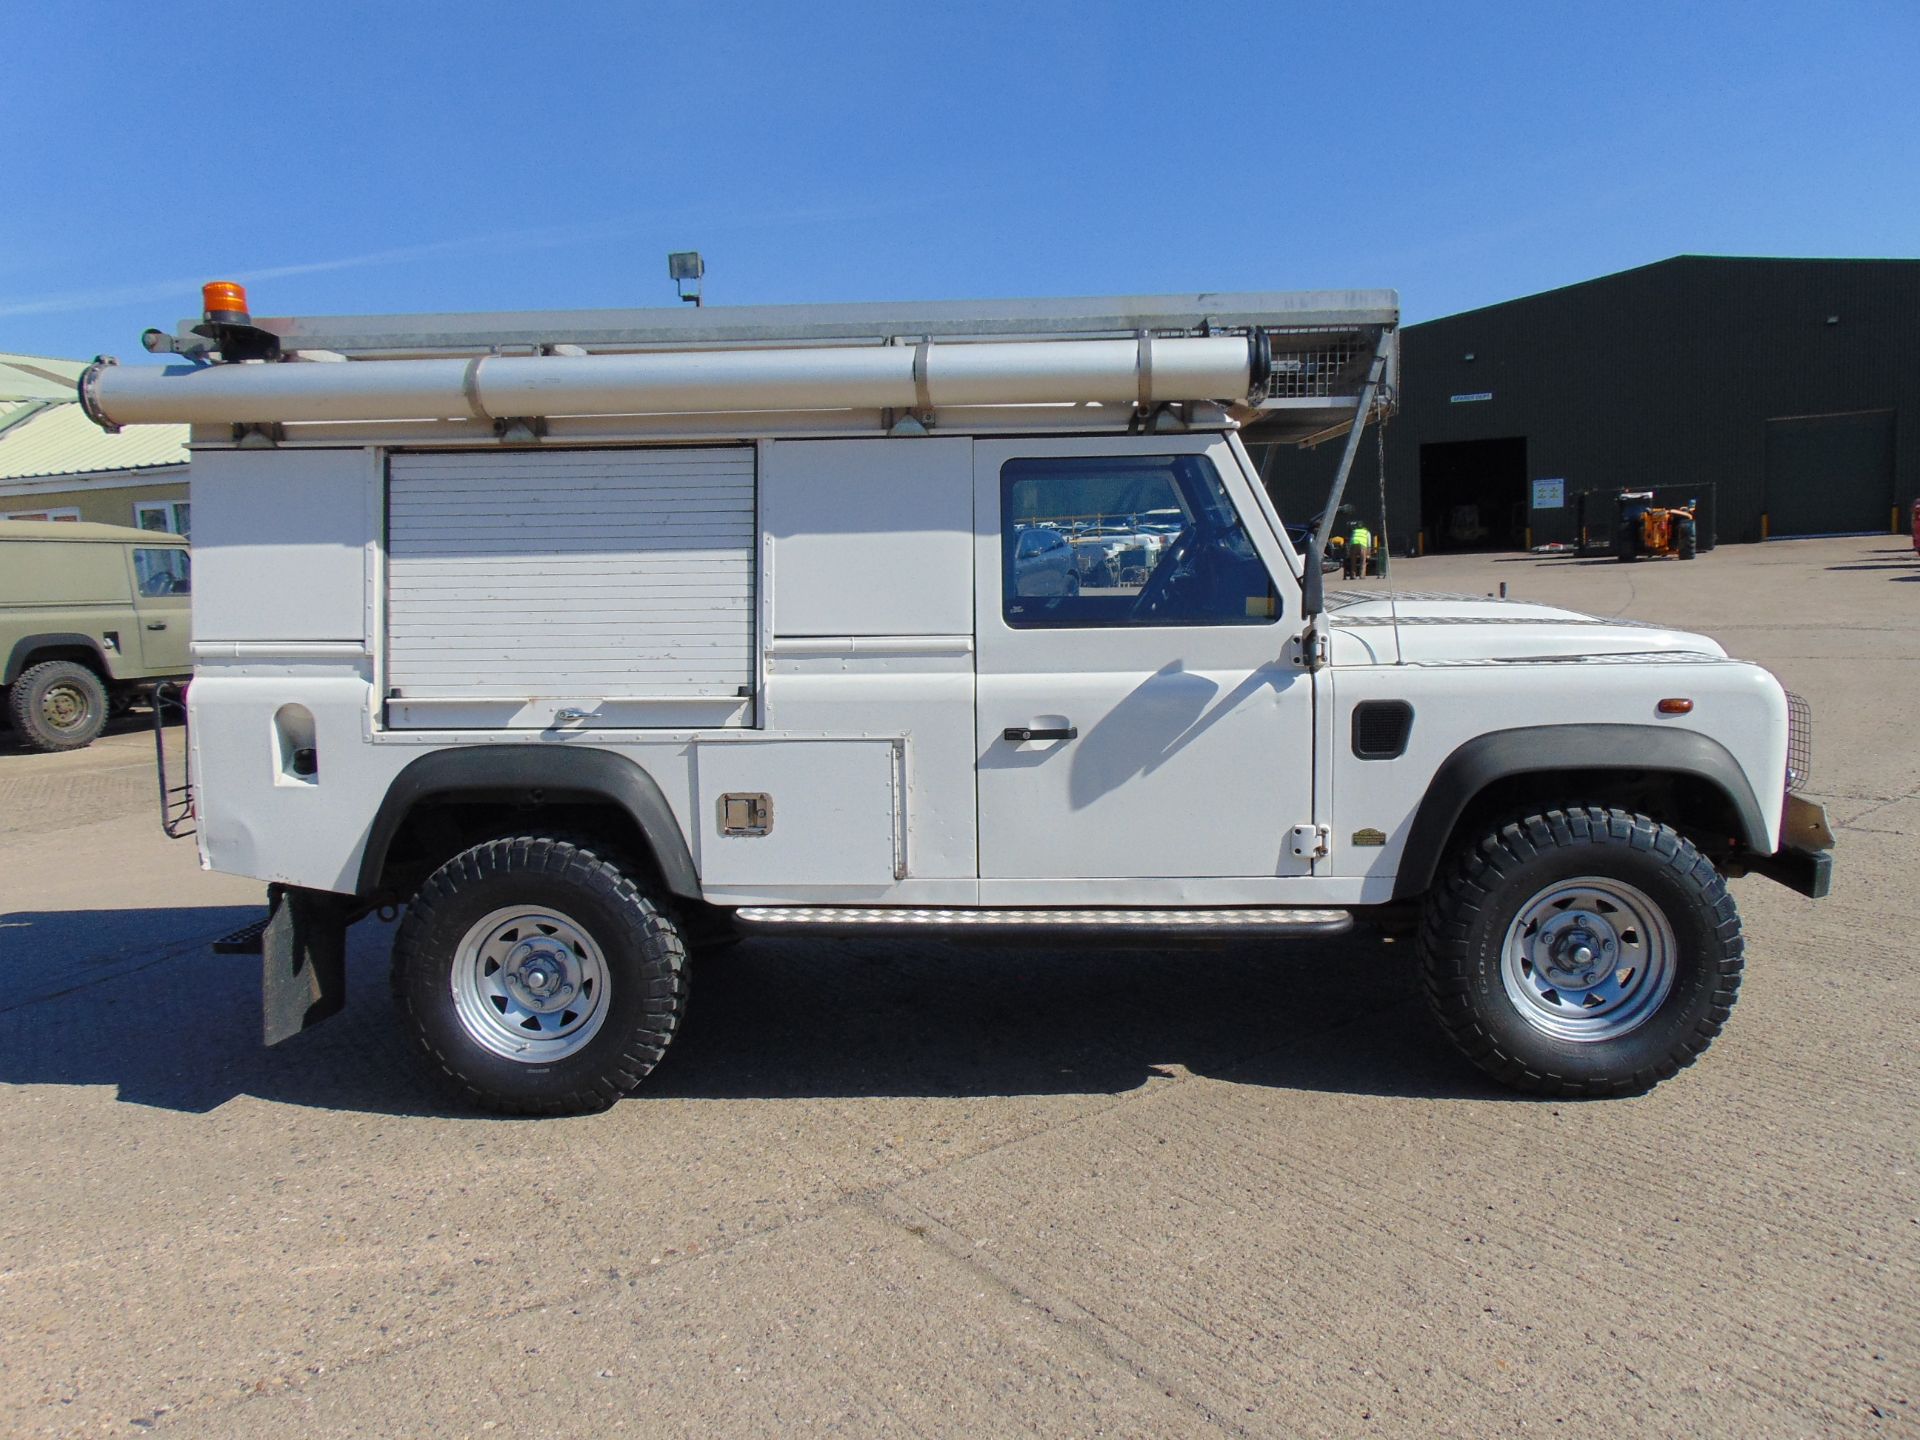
58, 705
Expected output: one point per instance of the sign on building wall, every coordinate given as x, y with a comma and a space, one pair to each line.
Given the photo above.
1549, 494
1469, 399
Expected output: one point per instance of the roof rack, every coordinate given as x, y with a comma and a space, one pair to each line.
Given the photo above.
1306, 363
395, 337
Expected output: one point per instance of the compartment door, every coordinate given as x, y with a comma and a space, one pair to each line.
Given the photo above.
800, 812
571, 588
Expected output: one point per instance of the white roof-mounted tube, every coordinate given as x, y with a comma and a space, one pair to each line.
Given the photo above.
1138, 371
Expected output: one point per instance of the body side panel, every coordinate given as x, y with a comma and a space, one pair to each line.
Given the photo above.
1555, 717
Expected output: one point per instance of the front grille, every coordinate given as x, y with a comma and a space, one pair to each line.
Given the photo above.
1799, 741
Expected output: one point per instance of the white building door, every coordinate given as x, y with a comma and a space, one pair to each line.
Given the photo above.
1172, 732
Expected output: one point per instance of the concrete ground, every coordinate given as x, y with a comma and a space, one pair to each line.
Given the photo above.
881, 1190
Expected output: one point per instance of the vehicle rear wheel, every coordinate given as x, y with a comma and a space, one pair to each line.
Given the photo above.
1584, 951
58, 705
1686, 542
538, 977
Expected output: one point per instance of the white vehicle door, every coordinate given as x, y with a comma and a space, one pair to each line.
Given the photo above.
1149, 721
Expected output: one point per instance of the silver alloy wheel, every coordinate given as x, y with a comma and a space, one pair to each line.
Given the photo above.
530, 984
1588, 959
64, 706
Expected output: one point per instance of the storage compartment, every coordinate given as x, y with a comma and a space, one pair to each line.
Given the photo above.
572, 588
280, 544
800, 812
871, 537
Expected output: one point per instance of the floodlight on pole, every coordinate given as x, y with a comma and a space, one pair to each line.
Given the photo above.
684, 266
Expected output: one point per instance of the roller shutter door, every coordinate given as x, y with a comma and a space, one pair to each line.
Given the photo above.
579, 587
1830, 474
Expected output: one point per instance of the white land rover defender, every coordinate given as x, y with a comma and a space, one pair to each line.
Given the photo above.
596, 638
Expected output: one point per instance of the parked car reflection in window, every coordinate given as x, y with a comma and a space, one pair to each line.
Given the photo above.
1043, 563
1127, 540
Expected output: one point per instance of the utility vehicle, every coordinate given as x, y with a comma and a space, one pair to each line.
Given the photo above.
592, 639
92, 619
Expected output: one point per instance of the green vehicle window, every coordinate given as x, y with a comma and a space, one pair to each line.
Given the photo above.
163, 572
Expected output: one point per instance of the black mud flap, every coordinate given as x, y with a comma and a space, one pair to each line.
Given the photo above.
303, 960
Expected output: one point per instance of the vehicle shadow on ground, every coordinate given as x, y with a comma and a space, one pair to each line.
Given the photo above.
170, 1024
1562, 562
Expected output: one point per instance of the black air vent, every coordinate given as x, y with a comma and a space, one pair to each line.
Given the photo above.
1380, 729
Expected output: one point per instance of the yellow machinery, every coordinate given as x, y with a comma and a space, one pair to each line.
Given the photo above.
1648, 529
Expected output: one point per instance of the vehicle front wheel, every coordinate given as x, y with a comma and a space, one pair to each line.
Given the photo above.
538, 977
1584, 951
1626, 542
58, 705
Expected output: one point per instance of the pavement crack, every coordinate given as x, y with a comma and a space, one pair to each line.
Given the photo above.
1089, 1330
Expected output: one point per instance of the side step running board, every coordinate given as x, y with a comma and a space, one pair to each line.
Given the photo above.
1248, 922
249, 939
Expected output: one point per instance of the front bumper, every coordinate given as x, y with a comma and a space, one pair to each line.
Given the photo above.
1802, 862
1808, 871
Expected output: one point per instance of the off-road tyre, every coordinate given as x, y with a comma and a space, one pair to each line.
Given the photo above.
1687, 540
639, 944
45, 696
1481, 894
1626, 542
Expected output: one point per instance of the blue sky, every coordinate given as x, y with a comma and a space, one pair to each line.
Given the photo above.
438, 156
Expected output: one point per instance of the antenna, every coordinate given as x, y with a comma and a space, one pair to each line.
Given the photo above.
1386, 538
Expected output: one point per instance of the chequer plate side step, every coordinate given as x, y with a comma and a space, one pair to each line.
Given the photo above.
879, 920
247, 940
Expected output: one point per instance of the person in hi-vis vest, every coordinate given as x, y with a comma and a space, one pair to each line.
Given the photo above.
1353, 560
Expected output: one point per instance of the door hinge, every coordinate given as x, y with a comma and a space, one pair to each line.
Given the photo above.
1310, 842
1310, 649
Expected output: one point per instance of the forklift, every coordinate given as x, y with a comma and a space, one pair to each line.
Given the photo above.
1645, 528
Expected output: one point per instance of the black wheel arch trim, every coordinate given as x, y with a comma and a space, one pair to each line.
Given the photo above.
1542, 749
533, 774
25, 648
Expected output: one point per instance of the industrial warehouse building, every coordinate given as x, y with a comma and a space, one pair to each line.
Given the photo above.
1784, 395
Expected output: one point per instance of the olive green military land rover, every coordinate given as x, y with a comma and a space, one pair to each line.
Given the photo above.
92, 617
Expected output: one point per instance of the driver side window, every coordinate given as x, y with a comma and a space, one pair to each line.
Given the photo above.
1126, 540
163, 572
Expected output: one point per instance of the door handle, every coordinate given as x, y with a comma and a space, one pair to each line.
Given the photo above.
156, 624
1017, 734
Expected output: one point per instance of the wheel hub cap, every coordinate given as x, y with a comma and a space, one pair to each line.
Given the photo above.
538, 972
530, 984
1588, 959
1574, 948
63, 706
